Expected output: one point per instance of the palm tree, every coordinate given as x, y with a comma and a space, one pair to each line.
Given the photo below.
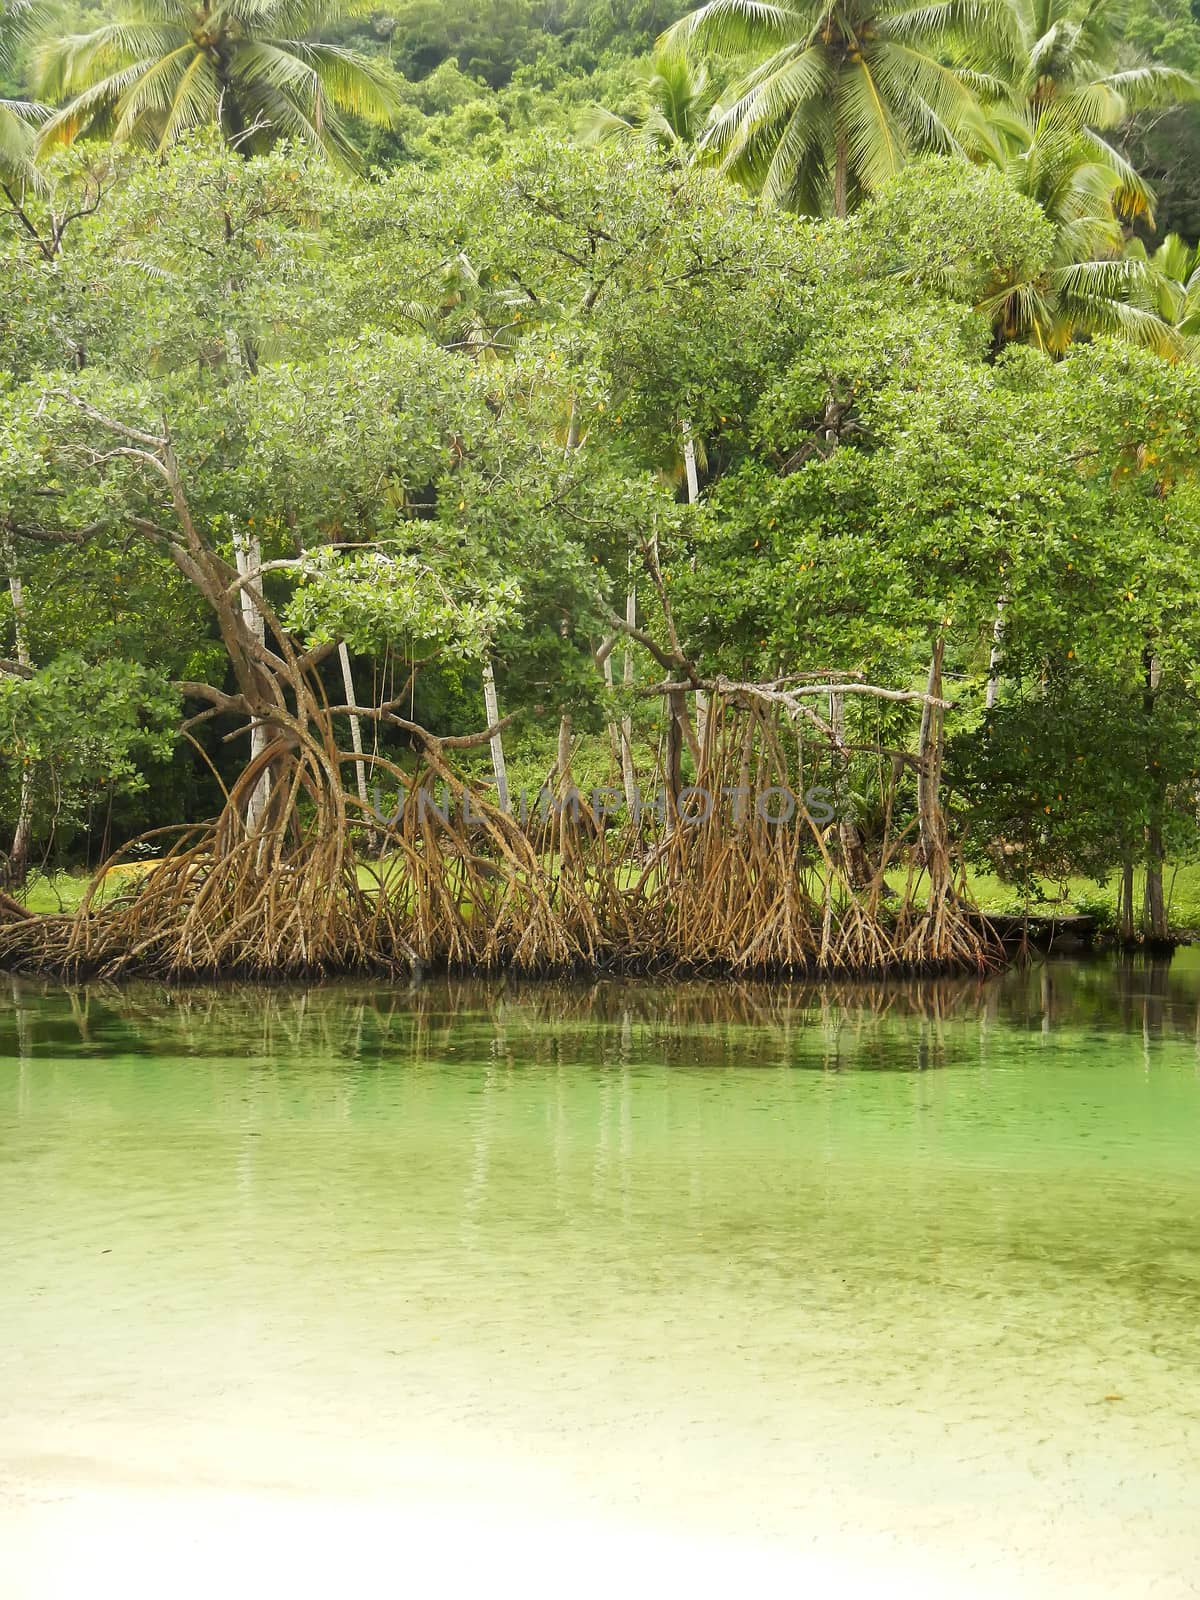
842, 90
1064, 92
18, 118
1085, 190
1166, 284
1067, 53
1065, 65
256, 68
678, 98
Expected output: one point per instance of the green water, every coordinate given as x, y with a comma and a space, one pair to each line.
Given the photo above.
912, 1271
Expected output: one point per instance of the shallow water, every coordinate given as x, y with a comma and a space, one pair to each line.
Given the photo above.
904, 1280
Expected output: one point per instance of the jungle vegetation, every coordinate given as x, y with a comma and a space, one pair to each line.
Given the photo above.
557, 485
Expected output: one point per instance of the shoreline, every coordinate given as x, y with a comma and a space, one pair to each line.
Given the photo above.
501, 1524
195, 1541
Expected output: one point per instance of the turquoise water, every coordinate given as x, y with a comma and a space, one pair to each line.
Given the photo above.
912, 1272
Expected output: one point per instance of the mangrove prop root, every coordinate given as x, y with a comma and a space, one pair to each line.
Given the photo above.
454, 883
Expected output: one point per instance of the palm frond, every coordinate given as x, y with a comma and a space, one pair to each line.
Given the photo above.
768, 98
1152, 85
153, 91
88, 109
194, 102
982, 28
17, 164
66, 65
792, 152
876, 148
352, 82
1091, 293
1132, 196
598, 126
737, 27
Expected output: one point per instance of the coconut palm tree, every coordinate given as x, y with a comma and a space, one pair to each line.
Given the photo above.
842, 91
18, 118
1166, 283
256, 68
1065, 91
678, 98
1066, 64
1085, 190
1067, 54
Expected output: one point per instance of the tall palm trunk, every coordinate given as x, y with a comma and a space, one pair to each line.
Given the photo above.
841, 163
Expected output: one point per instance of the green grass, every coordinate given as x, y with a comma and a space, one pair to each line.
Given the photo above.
1182, 885
60, 891
63, 891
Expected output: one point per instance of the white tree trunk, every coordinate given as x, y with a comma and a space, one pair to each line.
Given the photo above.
356, 744
689, 464
18, 861
614, 730
931, 819
993, 683
628, 776
693, 494
492, 711
248, 554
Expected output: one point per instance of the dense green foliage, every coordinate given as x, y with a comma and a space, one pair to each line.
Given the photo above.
453, 401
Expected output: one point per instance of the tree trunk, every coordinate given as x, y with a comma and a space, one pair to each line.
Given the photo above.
356, 744
1155, 900
932, 821
1156, 905
18, 860
676, 714
841, 164
562, 764
993, 683
1125, 917
614, 731
628, 776
689, 464
854, 856
492, 711
693, 494
248, 554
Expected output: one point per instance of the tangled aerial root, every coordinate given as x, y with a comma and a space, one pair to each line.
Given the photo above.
314, 888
